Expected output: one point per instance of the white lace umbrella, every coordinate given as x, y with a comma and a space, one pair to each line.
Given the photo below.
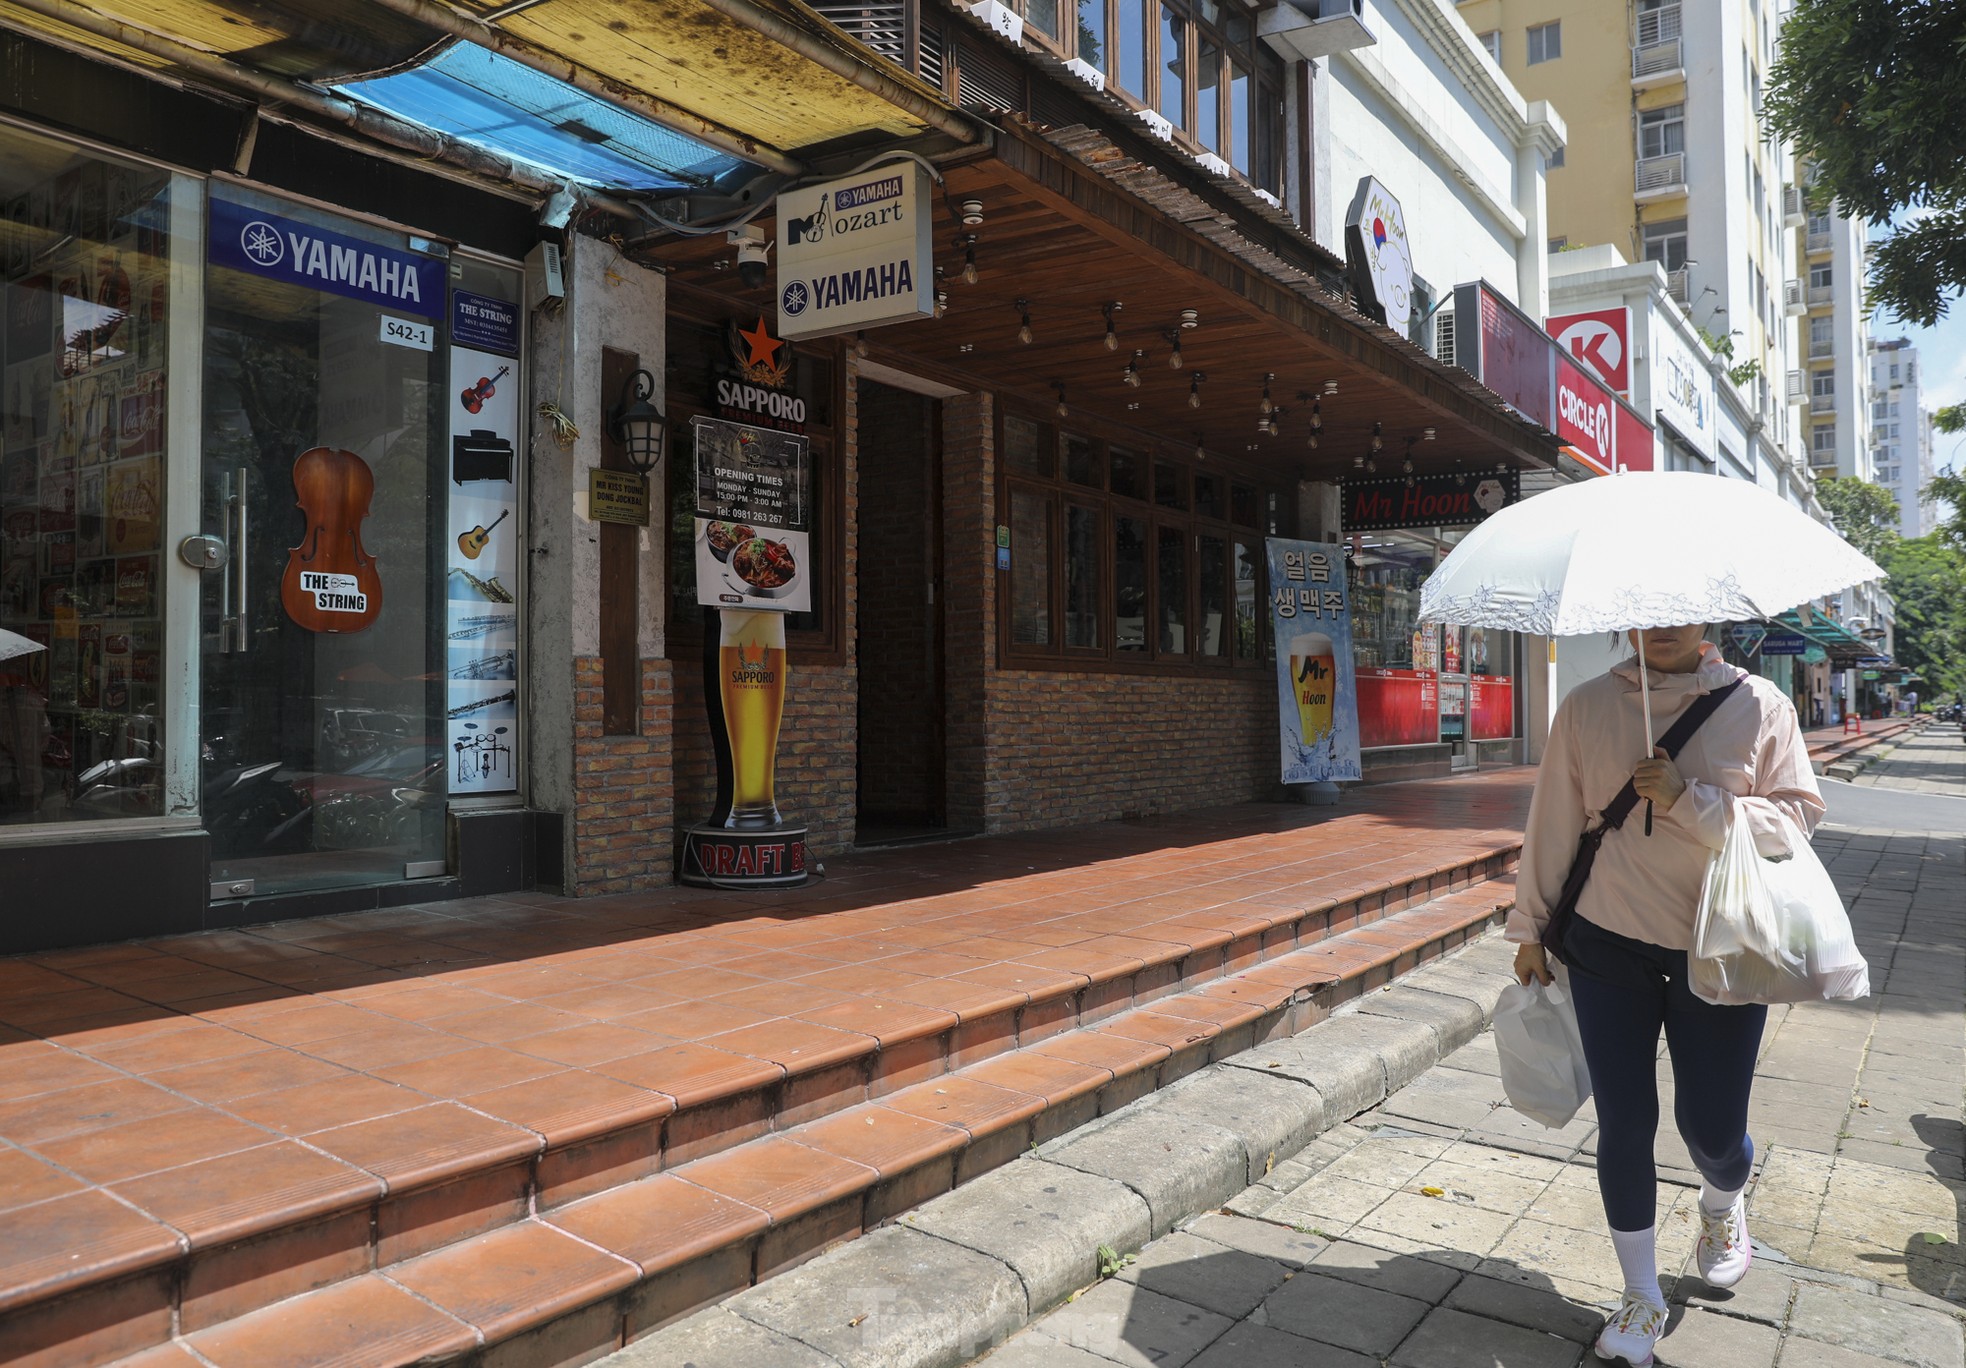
1655, 549
14, 644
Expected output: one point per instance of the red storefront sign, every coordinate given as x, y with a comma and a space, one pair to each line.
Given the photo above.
1398, 707
1584, 417
1506, 350
1390, 502
1601, 340
1634, 439
1491, 707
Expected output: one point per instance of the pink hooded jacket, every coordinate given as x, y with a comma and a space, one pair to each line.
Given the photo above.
1747, 762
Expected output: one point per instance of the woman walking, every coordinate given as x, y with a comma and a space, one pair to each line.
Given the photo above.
1625, 948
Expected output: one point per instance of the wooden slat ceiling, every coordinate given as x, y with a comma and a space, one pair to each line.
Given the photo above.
1069, 264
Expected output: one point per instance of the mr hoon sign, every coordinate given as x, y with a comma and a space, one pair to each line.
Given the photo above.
855, 253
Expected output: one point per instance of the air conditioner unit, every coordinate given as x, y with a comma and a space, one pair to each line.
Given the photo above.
1795, 211
1317, 28
1796, 390
1444, 338
1793, 301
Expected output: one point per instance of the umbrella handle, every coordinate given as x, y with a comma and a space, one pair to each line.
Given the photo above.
1645, 702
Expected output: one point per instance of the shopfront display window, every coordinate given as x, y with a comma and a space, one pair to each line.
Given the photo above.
86, 254
326, 710
1161, 566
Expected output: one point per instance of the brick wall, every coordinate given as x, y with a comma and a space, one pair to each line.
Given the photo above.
969, 601
624, 792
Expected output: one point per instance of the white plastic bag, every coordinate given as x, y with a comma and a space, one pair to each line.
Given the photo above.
1772, 930
1543, 1069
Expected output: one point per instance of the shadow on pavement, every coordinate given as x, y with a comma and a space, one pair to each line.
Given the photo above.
1937, 1266
1350, 1306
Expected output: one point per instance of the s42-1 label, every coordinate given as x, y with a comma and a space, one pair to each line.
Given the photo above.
402, 332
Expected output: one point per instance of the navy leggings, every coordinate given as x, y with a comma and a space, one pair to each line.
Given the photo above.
1625, 990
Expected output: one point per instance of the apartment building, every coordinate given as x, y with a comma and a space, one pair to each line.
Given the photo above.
1669, 161
1901, 432
1831, 375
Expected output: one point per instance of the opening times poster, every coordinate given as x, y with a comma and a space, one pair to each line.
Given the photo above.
481, 659
753, 518
1317, 696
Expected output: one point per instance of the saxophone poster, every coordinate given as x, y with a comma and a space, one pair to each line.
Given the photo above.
482, 547
1317, 696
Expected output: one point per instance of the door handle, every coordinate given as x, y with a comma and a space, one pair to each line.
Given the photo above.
233, 606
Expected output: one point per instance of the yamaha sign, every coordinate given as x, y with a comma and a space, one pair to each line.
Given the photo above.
856, 253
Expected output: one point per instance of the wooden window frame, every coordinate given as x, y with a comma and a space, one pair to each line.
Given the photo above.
1059, 494
683, 631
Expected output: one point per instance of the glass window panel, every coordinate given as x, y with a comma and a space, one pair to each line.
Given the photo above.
1208, 496
1387, 571
1208, 92
85, 254
1249, 508
1127, 62
1171, 597
1083, 465
1490, 652
1024, 450
1030, 568
1246, 620
1130, 584
1242, 115
1129, 473
1173, 68
1170, 485
1212, 584
1085, 558
1043, 16
1092, 33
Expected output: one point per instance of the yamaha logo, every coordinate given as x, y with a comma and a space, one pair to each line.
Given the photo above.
261, 243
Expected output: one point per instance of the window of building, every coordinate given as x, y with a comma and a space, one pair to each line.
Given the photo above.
1892, 432
1822, 383
1092, 49
1665, 243
1555, 160
1491, 43
1126, 55
1818, 223
1042, 15
1662, 132
1822, 331
1894, 370
1557, 244
1823, 438
1127, 555
1821, 276
1545, 42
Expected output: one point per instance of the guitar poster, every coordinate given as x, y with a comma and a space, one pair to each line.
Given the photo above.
482, 549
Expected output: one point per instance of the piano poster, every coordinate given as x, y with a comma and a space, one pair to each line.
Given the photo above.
482, 549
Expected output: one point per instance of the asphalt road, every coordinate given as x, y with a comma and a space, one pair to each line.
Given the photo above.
1854, 805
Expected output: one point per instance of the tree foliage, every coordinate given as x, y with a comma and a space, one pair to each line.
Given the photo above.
1869, 92
1928, 584
1866, 514
1949, 488
1951, 418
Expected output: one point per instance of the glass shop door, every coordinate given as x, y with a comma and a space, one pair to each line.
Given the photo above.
322, 728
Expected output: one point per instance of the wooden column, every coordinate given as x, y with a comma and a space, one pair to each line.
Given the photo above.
621, 641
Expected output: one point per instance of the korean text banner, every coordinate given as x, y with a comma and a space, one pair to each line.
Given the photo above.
1317, 697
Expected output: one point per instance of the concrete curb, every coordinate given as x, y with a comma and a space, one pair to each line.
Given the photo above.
961, 1274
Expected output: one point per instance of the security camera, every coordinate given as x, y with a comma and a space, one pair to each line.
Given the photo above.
753, 252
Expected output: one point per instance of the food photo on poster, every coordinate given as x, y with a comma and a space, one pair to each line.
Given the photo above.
1317, 698
752, 525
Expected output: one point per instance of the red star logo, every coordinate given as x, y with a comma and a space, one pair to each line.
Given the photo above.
764, 347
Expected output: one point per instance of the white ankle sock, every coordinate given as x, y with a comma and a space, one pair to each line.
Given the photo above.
1638, 1257
1715, 1200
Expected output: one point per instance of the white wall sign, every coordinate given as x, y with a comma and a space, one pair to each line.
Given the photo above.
1382, 262
1682, 391
856, 253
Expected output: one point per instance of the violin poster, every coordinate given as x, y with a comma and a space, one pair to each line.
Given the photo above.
753, 518
482, 547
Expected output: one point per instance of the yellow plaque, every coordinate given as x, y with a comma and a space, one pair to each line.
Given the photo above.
618, 496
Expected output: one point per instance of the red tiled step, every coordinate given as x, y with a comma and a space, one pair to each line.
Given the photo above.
561, 1280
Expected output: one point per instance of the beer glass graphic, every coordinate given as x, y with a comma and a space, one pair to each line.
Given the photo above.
1314, 679
751, 674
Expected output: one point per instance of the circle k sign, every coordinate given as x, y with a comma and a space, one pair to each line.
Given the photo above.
1600, 340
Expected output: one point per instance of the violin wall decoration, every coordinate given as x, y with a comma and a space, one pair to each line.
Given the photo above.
473, 398
331, 583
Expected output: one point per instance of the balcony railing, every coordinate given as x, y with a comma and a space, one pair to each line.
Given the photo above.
1821, 347
1794, 207
1822, 294
1822, 403
1816, 242
1656, 175
1655, 59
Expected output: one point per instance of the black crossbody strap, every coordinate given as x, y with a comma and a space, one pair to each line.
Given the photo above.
1682, 729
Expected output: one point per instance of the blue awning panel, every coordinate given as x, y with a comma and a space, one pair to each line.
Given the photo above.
477, 96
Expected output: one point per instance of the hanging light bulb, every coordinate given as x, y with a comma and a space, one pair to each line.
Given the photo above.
1112, 338
1194, 390
1378, 441
1201, 453
1317, 415
1131, 375
1024, 320
1265, 407
1406, 466
1059, 385
1175, 361
969, 260
1371, 466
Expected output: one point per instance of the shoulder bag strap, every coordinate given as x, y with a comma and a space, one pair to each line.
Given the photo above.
1688, 722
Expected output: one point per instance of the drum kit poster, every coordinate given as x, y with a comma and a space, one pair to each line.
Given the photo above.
483, 546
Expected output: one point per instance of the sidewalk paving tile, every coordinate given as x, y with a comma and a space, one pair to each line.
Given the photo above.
1191, 1269
1336, 1311
1135, 1327
1448, 1336
1854, 1320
